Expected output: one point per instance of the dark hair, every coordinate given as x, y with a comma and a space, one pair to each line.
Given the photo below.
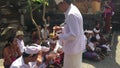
97, 22
68, 1
86, 33
93, 39
11, 39
25, 55
35, 37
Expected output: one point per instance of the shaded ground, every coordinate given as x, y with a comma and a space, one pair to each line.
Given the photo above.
111, 61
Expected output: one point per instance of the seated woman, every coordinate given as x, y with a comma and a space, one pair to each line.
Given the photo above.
91, 50
11, 52
101, 39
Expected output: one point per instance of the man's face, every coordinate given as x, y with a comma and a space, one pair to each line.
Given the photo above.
34, 58
62, 6
37, 42
20, 37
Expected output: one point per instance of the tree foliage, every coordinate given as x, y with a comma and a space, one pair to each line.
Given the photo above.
37, 4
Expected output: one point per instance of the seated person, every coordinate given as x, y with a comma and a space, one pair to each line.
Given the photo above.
29, 55
11, 52
97, 30
91, 50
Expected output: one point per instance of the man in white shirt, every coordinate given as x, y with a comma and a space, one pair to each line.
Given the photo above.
29, 55
73, 35
19, 35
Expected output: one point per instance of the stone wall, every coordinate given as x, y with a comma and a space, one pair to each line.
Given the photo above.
89, 6
90, 19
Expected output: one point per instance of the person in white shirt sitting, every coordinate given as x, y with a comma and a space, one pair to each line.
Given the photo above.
91, 50
20, 41
29, 55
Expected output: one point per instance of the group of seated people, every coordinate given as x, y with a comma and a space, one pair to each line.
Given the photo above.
35, 55
97, 46
49, 53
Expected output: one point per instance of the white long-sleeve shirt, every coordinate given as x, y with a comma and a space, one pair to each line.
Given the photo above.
73, 34
21, 45
92, 46
19, 63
